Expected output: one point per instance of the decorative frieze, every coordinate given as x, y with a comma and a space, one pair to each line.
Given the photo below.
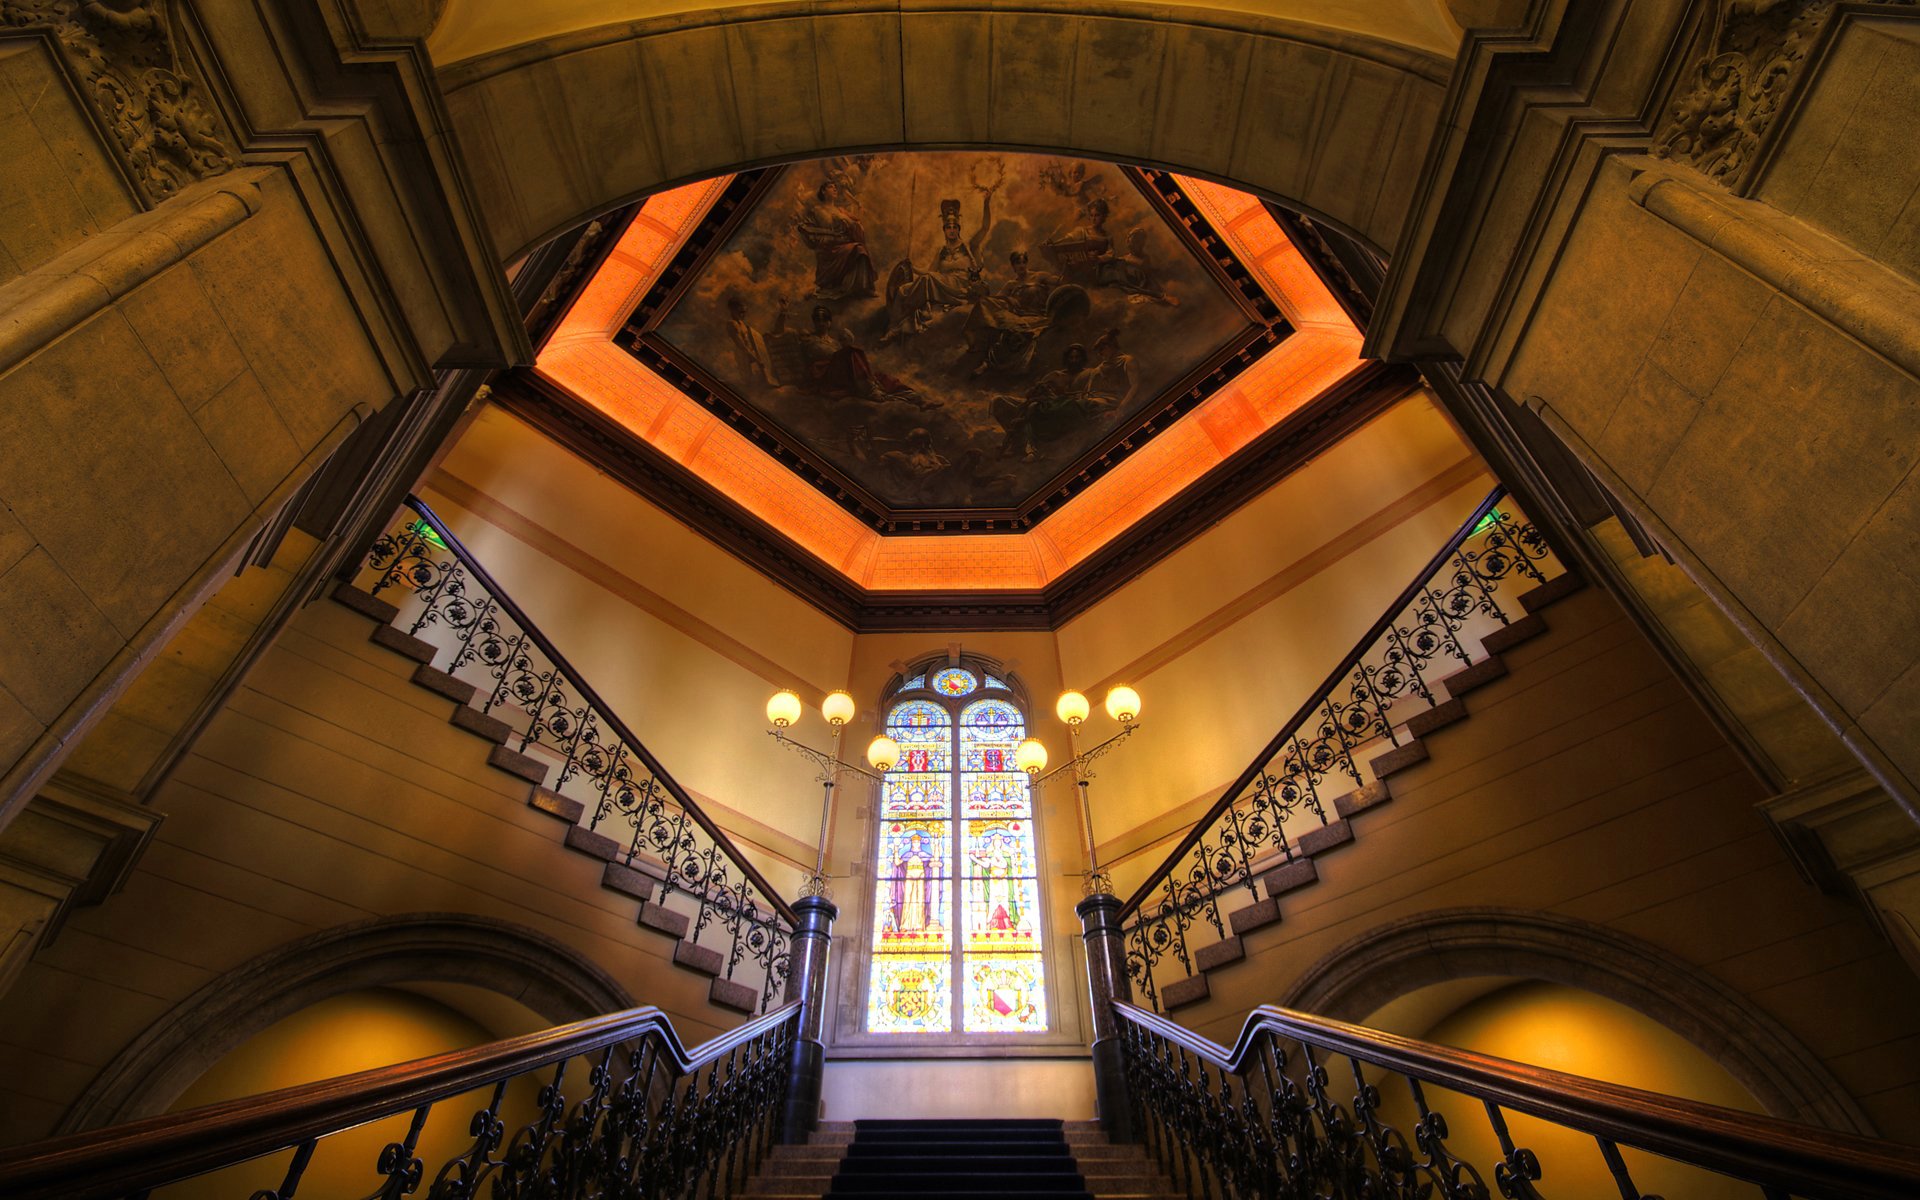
1752, 56
123, 56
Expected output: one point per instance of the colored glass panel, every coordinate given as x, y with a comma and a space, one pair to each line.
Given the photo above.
996, 683
1003, 795
910, 994
1005, 994
914, 898
1001, 915
979, 871
918, 681
954, 681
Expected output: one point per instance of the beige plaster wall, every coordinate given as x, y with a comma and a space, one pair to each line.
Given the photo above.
1059, 1088
330, 790
1588, 785
683, 640
1226, 637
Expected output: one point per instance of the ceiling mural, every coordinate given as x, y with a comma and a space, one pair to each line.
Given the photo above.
950, 331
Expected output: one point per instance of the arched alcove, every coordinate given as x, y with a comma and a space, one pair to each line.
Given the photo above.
145, 1078
1332, 123
1356, 979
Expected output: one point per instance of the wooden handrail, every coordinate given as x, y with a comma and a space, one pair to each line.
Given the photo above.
1279, 741
1793, 1158
559, 660
147, 1152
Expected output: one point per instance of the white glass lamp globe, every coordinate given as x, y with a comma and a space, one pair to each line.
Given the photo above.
784, 709
1072, 707
1031, 756
883, 752
837, 708
1123, 704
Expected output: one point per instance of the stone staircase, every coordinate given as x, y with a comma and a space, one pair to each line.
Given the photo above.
640, 881
1278, 876
1057, 1160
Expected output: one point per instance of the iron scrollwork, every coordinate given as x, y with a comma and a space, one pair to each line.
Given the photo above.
1462, 595
445, 599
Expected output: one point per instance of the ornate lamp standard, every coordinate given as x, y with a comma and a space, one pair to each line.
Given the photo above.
838, 708
813, 935
1123, 705
1099, 913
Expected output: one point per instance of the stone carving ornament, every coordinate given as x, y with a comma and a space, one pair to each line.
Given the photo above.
1753, 54
123, 54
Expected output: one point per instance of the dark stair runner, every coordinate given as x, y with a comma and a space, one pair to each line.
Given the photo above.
960, 1160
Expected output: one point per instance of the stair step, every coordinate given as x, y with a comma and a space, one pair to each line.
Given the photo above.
1399, 759
1183, 992
1506, 638
515, 763
1477, 676
1258, 915
1221, 953
1325, 838
555, 805
365, 603
402, 643
492, 729
1290, 877
661, 919
1553, 590
1360, 800
736, 996
591, 843
639, 879
1438, 717
701, 960
439, 682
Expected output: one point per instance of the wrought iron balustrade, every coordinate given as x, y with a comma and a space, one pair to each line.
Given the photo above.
623, 1110
448, 599
1304, 1107
1431, 630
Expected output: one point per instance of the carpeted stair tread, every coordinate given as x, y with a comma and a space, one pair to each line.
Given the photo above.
952, 1159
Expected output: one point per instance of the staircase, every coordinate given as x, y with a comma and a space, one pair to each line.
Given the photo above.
640, 880
961, 1160
1279, 875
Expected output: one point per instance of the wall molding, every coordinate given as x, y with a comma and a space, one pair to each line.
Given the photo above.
1352, 981
552, 979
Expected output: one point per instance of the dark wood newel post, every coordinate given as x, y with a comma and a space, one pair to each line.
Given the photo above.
807, 983
1107, 982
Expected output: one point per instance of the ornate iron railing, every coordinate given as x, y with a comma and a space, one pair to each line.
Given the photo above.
448, 599
1280, 1115
1431, 630
623, 1110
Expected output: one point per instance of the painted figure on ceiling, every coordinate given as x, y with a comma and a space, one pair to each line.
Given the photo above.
916, 297
1056, 405
748, 347
830, 361
831, 228
1132, 272
1113, 379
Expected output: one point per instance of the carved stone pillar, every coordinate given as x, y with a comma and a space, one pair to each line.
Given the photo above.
1107, 982
807, 983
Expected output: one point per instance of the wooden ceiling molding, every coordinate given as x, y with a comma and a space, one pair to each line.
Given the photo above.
1101, 524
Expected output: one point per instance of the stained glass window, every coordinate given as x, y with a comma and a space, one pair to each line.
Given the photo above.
958, 928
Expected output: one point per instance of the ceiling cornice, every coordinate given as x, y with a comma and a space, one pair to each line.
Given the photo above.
631, 461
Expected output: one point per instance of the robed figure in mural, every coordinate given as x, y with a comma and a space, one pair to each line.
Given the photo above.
916, 297
831, 228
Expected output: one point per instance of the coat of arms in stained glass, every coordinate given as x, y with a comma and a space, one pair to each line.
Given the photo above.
910, 994
1005, 994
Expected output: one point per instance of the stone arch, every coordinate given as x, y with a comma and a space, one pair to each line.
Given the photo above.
1355, 979
1333, 124
553, 980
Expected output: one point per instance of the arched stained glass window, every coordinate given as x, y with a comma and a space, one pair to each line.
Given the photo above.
958, 926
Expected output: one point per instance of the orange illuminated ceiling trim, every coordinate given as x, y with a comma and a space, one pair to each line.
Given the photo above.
582, 359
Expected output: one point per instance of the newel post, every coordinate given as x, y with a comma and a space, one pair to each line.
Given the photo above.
1107, 982
807, 983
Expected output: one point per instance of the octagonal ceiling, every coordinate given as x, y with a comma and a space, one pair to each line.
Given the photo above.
929, 337
834, 372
